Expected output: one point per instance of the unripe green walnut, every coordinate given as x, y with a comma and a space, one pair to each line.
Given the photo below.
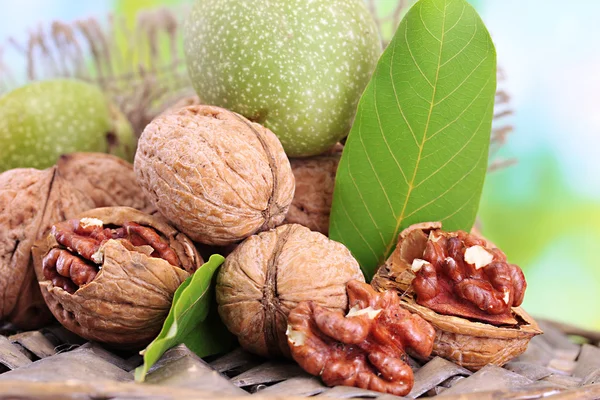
297, 67
43, 120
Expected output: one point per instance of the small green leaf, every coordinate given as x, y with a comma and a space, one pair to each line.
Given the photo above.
419, 144
191, 304
210, 336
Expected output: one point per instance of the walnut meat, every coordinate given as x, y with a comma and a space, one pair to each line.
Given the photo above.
463, 286
215, 175
107, 179
30, 201
365, 348
109, 275
315, 180
270, 273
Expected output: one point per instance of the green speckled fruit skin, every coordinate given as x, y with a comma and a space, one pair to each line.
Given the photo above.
297, 67
43, 120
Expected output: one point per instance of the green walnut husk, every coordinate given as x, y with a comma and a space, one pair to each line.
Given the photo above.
43, 120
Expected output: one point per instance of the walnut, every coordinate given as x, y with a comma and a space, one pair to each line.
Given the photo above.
315, 180
463, 286
107, 179
30, 201
217, 176
366, 347
110, 274
270, 273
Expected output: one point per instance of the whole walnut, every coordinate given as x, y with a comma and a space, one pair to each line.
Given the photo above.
215, 175
30, 201
315, 180
107, 179
270, 273
110, 274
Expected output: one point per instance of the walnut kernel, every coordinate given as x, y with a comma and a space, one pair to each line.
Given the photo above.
109, 275
467, 301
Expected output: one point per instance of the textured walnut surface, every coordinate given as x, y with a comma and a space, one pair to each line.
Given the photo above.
553, 367
217, 176
107, 179
30, 201
270, 273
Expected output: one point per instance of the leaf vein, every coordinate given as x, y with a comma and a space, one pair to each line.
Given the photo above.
424, 138
425, 25
464, 47
483, 87
413, 57
386, 143
397, 99
459, 151
463, 81
357, 230
458, 20
447, 190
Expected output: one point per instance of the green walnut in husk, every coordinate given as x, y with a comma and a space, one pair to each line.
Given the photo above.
43, 120
297, 67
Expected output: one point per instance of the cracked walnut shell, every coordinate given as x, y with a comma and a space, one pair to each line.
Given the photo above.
31, 201
475, 324
110, 274
270, 273
214, 174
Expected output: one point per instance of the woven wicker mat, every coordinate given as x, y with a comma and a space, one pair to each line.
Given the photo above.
53, 363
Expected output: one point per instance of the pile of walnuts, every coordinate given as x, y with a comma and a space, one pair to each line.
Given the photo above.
101, 245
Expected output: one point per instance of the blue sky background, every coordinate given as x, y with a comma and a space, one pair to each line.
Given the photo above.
545, 211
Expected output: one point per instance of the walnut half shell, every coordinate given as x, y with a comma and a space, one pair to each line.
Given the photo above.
469, 343
110, 274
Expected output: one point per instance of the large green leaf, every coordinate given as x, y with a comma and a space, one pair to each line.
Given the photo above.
191, 304
418, 147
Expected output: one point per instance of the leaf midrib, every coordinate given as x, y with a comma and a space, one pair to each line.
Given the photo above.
424, 138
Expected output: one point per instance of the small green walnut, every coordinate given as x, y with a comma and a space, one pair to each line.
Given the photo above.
298, 67
43, 120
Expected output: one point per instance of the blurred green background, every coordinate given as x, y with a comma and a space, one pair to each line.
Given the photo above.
544, 211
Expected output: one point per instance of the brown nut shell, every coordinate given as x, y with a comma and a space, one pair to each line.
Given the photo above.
128, 299
107, 179
216, 176
473, 345
270, 273
30, 201
315, 180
